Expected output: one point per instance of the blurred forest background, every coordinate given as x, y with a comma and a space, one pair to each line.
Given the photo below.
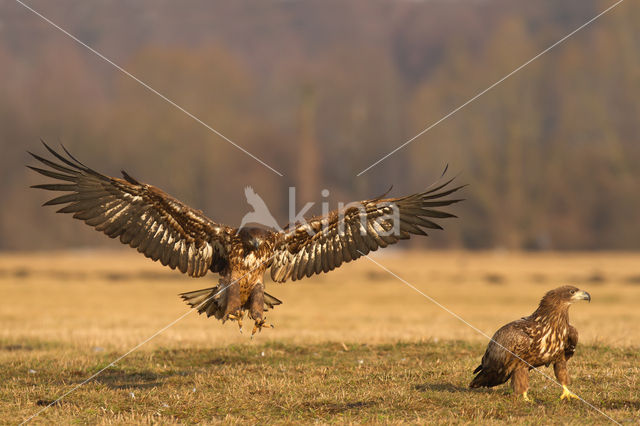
319, 90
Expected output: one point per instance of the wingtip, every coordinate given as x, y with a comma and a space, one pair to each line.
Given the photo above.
46, 145
457, 200
52, 151
379, 197
36, 156
71, 156
129, 178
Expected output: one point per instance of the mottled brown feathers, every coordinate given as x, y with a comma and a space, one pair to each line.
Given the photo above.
165, 229
544, 337
140, 215
324, 243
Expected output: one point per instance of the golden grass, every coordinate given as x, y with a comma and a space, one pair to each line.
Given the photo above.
65, 315
118, 298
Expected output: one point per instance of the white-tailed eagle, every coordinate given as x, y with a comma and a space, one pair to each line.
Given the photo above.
544, 337
166, 230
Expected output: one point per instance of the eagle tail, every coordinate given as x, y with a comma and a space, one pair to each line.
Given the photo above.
487, 378
481, 379
207, 300
271, 301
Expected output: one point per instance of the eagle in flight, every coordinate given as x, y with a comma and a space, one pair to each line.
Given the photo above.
544, 337
163, 228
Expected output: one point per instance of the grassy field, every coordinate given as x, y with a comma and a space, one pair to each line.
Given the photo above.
356, 345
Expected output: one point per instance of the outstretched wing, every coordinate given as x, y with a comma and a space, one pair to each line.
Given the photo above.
141, 215
324, 243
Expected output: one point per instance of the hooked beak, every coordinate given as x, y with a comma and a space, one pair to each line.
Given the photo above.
582, 295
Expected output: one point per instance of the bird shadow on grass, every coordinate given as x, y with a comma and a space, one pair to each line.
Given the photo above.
186, 362
119, 379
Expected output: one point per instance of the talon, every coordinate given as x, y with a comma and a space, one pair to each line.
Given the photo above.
259, 325
567, 394
235, 316
256, 328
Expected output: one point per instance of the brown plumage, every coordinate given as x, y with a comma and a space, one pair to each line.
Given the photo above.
545, 337
163, 228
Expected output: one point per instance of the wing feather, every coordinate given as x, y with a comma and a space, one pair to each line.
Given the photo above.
310, 250
342, 236
352, 247
317, 258
141, 215
147, 233
356, 232
571, 343
301, 265
327, 259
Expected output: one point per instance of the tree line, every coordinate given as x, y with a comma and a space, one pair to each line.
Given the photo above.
319, 90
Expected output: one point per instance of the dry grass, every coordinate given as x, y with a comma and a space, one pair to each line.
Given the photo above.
66, 315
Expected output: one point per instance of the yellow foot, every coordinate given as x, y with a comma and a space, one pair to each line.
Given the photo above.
236, 316
567, 394
259, 325
526, 398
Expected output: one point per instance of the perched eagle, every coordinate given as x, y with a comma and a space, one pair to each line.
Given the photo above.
162, 228
544, 337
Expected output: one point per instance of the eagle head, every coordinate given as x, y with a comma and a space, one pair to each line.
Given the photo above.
567, 294
252, 238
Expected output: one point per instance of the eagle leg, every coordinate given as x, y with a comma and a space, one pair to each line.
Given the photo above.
256, 308
255, 303
562, 374
233, 309
520, 381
